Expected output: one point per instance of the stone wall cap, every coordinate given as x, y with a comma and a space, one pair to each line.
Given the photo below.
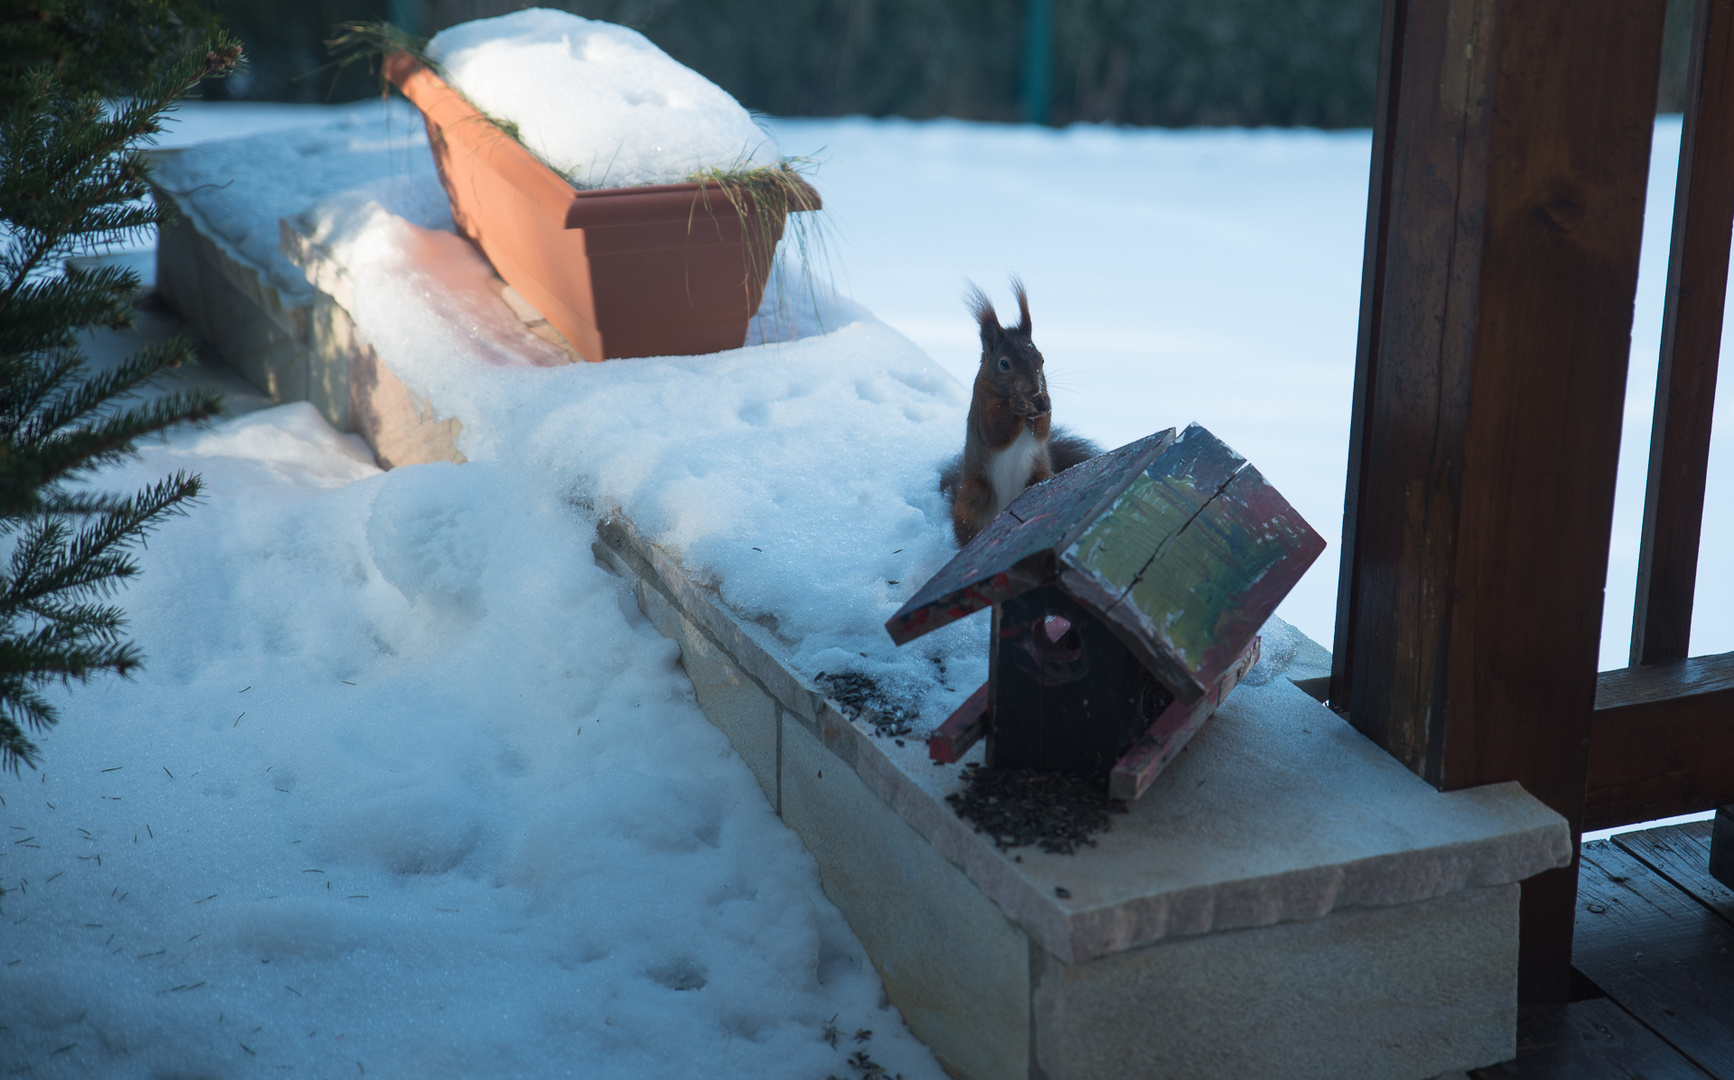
1277, 811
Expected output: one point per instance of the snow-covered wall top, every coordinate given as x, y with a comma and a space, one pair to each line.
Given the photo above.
237, 189
798, 477
596, 101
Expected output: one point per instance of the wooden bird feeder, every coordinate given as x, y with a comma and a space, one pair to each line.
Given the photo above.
1127, 596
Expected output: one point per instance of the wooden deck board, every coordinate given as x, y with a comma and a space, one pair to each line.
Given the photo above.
1681, 853
1657, 952
1590, 1040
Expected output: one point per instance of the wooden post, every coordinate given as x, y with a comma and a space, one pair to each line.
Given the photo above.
1510, 183
1722, 846
1691, 345
1385, 113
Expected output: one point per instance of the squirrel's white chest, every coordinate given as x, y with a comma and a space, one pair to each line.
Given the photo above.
1009, 469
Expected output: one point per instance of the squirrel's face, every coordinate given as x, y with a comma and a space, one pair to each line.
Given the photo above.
1011, 365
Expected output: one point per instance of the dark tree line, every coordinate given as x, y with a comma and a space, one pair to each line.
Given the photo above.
1154, 62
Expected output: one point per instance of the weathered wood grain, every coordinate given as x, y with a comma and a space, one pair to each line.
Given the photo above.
1691, 345
1133, 774
961, 730
1387, 92
1589, 1040
1661, 741
1681, 853
1189, 560
1016, 551
1722, 846
1663, 956
1511, 216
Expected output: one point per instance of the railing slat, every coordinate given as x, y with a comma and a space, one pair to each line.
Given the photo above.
1691, 342
1662, 742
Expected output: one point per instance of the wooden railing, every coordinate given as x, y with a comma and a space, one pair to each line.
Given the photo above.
1663, 738
1511, 152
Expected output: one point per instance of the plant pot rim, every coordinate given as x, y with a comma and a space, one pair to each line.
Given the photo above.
576, 208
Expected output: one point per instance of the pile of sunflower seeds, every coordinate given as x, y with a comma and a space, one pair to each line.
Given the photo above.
1019, 807
863, 698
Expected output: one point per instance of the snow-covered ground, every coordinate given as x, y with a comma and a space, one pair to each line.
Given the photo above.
409, 787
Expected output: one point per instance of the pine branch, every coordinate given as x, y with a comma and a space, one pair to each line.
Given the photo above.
48, 313
79, 503
50, 217
33, 661
45, 563
73, 428
72, 622
71, 179
112, 438
28, 663
85, 402
19, 705
30, 381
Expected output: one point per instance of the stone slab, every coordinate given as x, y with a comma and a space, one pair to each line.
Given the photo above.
731, 699
1277, 812
1398, 990
403, 429
1402, 992
296, 346
1280, 841
956, 968
246, 321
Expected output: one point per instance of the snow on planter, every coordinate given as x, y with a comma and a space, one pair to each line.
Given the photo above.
662, 270
598, 102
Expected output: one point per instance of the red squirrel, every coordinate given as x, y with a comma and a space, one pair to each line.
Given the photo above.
1010, 442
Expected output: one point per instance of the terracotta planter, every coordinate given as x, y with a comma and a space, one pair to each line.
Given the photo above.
667, 270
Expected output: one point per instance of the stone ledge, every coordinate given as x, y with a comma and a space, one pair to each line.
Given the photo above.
1413, 986
297, 346
1404, 990
1281, 812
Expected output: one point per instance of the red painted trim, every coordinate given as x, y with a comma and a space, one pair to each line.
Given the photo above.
952, 739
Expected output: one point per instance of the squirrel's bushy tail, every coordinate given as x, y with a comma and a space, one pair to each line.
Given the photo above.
949, 474
1066, 449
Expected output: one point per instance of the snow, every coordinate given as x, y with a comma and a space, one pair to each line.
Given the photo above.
193, 122
286, 170
413, 785
598, 102
1174, 276
798, 477
408, 786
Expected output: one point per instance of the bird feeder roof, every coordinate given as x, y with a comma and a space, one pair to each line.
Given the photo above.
1175, 542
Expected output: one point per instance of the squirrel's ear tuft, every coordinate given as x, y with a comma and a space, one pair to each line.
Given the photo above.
982, 308
1017, 284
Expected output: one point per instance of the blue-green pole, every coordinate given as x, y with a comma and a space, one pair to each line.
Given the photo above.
404, 14
1038, 59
